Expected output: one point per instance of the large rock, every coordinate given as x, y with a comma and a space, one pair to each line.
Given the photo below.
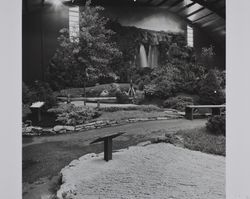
69, 128
104, 93
58, 128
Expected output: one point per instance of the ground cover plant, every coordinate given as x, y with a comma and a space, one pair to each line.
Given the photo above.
95, 91
179, 102
145, 108
200, 139
69, 114
217, 125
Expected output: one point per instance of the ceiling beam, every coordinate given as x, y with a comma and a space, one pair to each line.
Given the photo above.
161, 3
176, 3
195, 12
185, 7
210, 6
203, 17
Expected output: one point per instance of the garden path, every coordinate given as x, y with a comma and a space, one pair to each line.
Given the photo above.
44, 157
153, 171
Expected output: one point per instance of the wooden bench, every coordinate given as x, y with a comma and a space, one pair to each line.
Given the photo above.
216, 110
107, 139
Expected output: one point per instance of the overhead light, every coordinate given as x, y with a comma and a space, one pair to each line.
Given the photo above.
57, 3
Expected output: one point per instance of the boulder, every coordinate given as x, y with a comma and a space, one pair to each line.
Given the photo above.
58, 128
37, 130
69, 128
104, 93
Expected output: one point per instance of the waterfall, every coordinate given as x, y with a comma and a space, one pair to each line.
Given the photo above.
153, 54
143, 56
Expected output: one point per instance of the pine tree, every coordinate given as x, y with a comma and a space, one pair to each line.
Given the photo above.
210, 91
86, 55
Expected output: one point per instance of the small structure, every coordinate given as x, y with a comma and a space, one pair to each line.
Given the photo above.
107, 139
37, 106
216, 110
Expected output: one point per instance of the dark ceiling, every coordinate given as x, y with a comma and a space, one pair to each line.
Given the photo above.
206, 14
209, 15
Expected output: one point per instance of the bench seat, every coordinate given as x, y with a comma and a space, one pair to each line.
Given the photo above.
216, 110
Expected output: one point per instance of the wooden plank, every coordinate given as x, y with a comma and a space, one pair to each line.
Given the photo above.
206, 106
102, 138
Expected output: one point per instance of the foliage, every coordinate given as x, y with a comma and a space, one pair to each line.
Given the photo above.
200, 140
25, 110
221, 76
162, 84
188, 77
95, 91
69, 114
39, 91
210, 91
207, 56
145, 108
139, 97
26, 93
122, 97
79, 59
217, 125
179, 102
141, 86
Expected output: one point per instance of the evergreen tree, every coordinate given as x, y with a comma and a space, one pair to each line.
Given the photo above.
210, 91
83, 56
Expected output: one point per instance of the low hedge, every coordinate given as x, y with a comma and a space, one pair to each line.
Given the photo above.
95, 91
69, 114
179, 102
217, 125
145, 108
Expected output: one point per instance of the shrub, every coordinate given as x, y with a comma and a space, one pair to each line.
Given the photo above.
217, 125
25, 110
141, 86
69, 114
40, 91
145, 108
122, 97
139, 97
179, 102
26, 94
210, 91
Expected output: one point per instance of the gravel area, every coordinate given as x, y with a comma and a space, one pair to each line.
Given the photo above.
152, 171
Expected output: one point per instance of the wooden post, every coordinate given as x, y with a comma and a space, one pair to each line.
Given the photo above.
189, 113
108, 148
107, 144
98, 104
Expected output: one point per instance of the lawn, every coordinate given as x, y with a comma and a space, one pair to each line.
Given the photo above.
200, 139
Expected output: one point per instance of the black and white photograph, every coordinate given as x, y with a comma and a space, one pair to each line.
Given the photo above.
125, 99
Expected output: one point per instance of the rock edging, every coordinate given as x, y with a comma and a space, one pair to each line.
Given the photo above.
62, 129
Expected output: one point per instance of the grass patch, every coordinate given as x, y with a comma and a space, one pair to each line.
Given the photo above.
121, 115
200, 139
144, 108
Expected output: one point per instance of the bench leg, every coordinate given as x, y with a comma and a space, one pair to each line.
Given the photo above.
216, 111
108, 149
189, 113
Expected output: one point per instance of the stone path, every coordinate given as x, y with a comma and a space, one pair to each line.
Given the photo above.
155, 171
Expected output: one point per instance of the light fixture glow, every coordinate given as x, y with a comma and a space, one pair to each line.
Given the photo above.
56, 3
